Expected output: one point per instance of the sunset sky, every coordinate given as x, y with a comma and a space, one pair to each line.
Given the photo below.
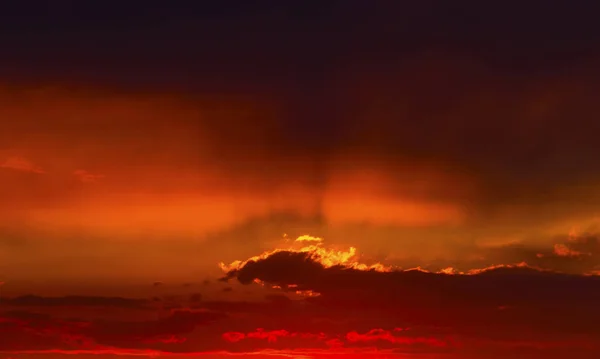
300, 179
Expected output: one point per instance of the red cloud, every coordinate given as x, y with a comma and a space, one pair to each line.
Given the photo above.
270, 336
352, 337
441, 313
234, 337
386, 335
40, 331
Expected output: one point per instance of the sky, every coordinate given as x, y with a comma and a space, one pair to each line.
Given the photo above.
315, 179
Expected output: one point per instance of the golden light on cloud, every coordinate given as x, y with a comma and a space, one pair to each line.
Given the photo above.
327, 257
307, 238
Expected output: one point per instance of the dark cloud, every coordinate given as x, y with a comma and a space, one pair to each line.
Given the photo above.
124, 334
572, 254
22, 330
342, 320
500, 302
577, 255
45, 332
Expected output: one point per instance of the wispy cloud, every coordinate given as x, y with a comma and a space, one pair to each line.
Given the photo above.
87, 177
21, 164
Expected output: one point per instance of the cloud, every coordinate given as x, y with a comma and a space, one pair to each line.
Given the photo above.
87, 177
323, 340
575, 254
21, 164
233, 336
312, 327
508, 302
315, 250
320, 299
311, 296
45, 332
179, 322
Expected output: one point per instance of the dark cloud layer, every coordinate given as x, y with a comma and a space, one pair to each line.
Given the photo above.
41, 331
522, 312
503, 302
515, 310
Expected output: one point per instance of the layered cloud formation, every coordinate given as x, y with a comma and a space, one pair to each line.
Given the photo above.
320, 301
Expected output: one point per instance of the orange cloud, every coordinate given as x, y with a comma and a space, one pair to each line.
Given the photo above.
316, 252
21, 164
